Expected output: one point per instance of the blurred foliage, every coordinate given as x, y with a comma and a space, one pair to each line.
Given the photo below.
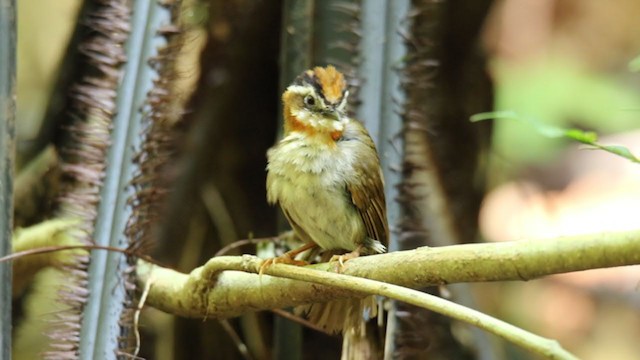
562, 93
584, 137
634, 65
563, 68
44, 28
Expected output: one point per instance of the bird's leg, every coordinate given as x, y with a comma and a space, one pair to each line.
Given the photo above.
341, 259
288, 258
291, 254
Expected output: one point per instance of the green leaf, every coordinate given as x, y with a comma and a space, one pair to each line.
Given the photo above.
584, 137
620, 151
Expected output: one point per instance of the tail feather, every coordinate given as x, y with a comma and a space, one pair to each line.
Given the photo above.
361, 338
341, 315
350, 317
362, 345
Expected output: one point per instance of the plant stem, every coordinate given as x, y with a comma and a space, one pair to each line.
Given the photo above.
235, 293
537, 344
207, 279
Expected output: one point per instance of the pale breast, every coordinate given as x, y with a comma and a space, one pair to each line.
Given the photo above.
308, 181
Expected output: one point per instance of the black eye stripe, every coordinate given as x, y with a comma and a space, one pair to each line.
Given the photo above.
317, 88
306, 79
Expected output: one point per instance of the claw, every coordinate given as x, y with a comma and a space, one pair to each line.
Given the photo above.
287, 258
284, 259
341, 259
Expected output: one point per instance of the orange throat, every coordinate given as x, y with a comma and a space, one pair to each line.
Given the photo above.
293, 124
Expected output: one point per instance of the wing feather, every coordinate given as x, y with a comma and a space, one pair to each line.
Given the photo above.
367, 190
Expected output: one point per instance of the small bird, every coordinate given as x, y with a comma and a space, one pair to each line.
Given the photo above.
325, 174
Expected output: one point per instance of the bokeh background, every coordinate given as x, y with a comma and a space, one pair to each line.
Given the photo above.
568, 63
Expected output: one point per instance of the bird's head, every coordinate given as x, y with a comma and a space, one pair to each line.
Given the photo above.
315, 102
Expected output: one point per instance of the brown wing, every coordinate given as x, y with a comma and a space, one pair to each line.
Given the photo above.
367, 192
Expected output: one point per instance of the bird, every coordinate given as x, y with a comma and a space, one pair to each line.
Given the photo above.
325, 175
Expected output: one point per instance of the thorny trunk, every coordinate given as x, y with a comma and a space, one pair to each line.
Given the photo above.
219, 195
445, 80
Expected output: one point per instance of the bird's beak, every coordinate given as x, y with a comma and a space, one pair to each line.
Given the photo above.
333, 114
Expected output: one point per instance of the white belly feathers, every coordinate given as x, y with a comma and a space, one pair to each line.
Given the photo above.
309, 184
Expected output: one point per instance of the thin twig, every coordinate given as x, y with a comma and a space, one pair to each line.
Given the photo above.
136, 315
56, 248
537, 344
302, 321
241, 346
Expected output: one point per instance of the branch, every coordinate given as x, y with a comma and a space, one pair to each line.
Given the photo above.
248, 263
57, 232
211, 291
204, 293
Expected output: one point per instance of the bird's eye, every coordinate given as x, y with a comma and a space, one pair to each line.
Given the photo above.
309, 100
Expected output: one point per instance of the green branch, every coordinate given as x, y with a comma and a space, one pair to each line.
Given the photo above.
234, 293
205, 280
211, 292
57, 232
546, 347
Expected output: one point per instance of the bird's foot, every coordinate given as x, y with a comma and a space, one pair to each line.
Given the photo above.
287, 258
341, 259
282, 259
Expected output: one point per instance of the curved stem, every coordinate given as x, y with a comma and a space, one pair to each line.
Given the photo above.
207, 276
527, 340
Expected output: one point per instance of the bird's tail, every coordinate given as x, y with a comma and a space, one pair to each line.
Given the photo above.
349, 316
